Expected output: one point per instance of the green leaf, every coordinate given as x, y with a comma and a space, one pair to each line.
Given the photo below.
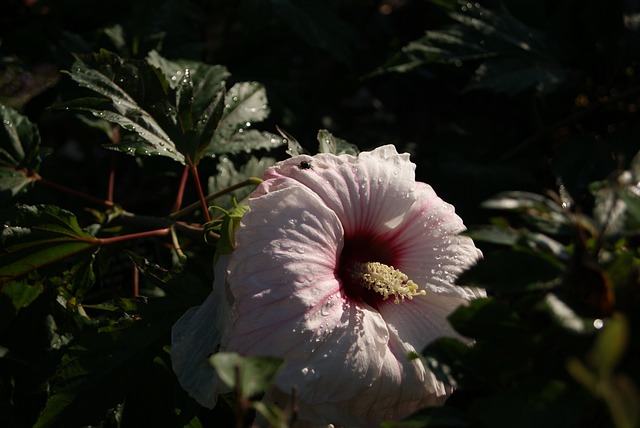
549, 403
243, 141
513, 271
14, 296
255, 373
486, 318
153, 270
37, 236
19, 151
172, 109
116, 368
200, 95
539, 211
227, 175
230, 224
513, 57
610, 345
440, 417
294, 148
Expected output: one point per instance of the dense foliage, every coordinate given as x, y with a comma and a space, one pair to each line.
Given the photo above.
131, 132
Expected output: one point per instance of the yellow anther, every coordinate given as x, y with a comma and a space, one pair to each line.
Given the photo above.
386, 281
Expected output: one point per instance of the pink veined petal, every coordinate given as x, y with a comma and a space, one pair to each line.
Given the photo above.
370, 192
347, 359
431, 251
291, 305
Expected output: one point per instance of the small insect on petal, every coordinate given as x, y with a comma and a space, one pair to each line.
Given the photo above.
305, 165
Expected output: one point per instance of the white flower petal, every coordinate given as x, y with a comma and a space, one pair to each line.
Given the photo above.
402, 387
345, 348
197, 335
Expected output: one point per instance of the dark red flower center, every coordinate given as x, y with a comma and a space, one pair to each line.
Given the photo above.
358, 248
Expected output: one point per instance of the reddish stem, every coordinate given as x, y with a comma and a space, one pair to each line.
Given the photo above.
183, 183
122, 238
136, 281
70, 191
203, 201
112, 177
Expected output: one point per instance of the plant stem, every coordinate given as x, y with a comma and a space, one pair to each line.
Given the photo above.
136, 281
180, 195
112, 177
248, 182
122, 238
37, 177
203, 202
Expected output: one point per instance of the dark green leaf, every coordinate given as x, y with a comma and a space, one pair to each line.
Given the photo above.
37, 236
152, 269
152, 138
255, 373
486, 318
610, 345
318, 25
19, 151
513, 57
548, 403
117, 367
432, 417
513, 271
14, 296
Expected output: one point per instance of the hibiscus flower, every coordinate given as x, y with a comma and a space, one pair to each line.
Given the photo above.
344, 267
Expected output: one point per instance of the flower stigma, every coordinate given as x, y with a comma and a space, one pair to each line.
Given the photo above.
385, 280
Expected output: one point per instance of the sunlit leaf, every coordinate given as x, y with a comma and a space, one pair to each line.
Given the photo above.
37, 236
243, 141
227, 175
541, 212
19, 151
294, 148
200, 96
126, 112
173, 109
230, 224
245, 104
333, 145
